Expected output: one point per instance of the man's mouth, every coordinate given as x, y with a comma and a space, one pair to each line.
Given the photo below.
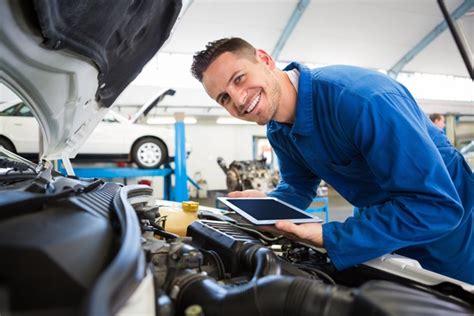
254, 103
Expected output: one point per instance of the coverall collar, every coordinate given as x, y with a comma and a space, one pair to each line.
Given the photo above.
303, 124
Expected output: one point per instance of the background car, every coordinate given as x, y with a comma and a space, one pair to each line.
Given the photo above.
468, 153
115, 138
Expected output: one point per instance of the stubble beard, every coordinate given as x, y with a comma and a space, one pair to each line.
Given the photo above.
274, 103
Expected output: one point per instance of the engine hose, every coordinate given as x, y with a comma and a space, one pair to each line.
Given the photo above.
271, 295
259, 259
267, 293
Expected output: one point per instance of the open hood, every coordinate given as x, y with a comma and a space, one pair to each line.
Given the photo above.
142, 112
147, 107
69, 60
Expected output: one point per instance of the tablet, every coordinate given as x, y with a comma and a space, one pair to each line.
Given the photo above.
267, 210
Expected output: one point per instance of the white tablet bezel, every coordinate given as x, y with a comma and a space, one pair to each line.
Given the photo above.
255, 221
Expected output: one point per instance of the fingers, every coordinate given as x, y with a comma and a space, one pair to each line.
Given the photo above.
310, 232
286, 226
235, 194
276, 232
247, 193
289, 229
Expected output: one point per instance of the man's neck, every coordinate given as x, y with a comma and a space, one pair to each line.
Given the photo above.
287, 109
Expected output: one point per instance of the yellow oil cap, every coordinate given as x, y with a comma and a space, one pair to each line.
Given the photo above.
190, 206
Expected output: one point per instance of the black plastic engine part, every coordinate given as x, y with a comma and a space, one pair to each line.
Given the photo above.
127, 267
72, 255
50, 258
223, 238
241, 254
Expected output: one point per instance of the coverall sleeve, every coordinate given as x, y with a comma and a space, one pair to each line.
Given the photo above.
297, 184
423, 206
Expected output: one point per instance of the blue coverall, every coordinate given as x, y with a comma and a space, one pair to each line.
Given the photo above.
364, 134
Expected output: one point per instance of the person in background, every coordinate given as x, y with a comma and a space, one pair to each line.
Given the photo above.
364, 134
438, 120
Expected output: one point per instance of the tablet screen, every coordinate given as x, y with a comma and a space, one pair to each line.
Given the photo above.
267, 209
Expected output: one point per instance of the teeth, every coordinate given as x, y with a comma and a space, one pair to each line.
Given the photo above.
253, 104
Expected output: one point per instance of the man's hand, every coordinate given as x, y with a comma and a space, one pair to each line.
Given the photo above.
247, 193
310, 233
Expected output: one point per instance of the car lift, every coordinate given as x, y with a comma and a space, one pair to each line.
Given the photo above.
180, 191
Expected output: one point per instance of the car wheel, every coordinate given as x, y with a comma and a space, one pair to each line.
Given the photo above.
149, 153
5, 143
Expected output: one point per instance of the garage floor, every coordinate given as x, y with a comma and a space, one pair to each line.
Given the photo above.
339, 208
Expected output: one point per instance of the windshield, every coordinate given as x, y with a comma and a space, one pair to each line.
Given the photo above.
9, 111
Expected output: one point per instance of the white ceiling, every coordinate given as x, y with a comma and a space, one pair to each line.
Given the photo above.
367, 33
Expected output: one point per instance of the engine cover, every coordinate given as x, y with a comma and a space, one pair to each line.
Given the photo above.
53, 253
221, 237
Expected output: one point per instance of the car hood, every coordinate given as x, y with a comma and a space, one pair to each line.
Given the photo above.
70, 60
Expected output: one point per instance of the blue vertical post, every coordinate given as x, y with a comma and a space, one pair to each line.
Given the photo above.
181, 189
167, 187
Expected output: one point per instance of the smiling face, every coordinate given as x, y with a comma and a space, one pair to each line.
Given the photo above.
248, 89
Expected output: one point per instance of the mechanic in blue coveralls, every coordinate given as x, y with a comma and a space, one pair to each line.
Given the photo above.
364, 134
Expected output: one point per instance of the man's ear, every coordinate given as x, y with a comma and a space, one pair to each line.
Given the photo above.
266, 58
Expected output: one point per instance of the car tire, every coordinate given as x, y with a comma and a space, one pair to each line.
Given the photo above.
5, 143
149, 153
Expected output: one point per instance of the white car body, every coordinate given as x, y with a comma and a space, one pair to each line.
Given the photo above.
113, 138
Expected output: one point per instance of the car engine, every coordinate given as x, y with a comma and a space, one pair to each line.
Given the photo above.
84, 246
249, 174
225, 270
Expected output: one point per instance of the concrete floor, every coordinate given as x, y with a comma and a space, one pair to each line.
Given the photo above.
339, 208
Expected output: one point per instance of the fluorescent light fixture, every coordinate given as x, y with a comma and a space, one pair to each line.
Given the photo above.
232, 121
170, 120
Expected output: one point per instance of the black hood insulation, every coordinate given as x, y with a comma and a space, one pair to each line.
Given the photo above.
119, 36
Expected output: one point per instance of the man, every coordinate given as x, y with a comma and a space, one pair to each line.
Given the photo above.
438, 120
364, 134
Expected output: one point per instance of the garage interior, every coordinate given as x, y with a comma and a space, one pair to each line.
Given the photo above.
207, 152
410, 41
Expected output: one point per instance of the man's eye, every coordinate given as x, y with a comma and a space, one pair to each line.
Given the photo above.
224, 99
238, 79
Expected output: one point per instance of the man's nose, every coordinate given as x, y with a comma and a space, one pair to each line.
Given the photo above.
239, 97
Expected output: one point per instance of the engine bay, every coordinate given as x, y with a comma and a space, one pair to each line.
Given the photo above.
84, 246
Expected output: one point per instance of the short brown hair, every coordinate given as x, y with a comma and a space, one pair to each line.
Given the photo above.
435, 117
202, 59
